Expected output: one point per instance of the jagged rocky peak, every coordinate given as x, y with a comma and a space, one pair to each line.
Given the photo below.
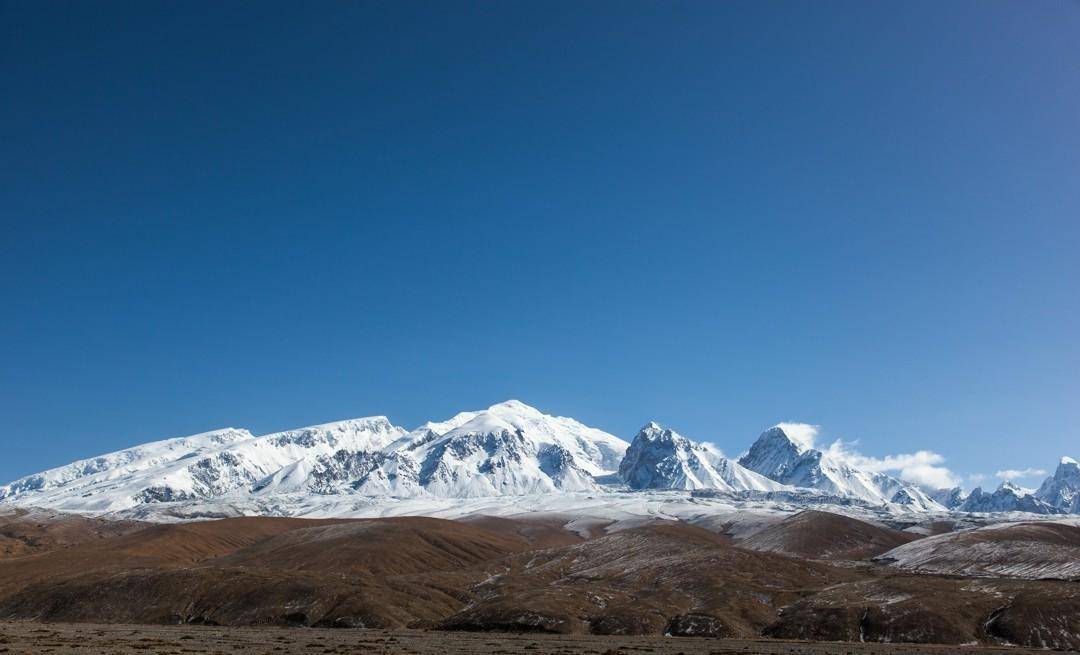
1062, 489
1067, 473
1008, 497
785, 453
780, 448
660, 458
654, 432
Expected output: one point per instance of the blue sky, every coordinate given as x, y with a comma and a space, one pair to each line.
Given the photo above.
715, 215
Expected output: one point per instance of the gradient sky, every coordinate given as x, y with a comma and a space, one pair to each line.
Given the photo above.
863, 215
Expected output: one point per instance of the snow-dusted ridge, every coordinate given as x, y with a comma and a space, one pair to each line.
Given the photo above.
1021, 549
507, 458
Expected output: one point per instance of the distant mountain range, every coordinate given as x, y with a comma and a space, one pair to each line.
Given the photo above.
509, 450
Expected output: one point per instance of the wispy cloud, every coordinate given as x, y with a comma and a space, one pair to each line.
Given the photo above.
924, 467
1013, 474
803, 434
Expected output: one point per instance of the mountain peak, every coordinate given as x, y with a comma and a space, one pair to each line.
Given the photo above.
510, 403
653, 430
801, 435
660, 458
1012, 487
515, 407
779, 450
785, 453
1009, 486
1062, 489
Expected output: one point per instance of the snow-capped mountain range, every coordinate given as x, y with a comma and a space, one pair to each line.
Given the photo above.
509, 450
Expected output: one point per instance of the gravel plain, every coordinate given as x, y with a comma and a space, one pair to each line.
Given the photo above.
29, 637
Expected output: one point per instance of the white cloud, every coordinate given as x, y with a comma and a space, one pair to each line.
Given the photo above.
923, 467
802, 434
930, 477
1013, 474
976, 478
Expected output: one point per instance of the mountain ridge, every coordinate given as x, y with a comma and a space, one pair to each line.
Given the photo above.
509, 450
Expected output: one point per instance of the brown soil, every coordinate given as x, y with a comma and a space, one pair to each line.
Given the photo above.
384, 573
670, 577
26, 533
541, 531
90, 639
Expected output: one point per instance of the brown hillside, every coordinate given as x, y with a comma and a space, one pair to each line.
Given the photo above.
828, 536
25, 532
668, 577
522, 575
380, 572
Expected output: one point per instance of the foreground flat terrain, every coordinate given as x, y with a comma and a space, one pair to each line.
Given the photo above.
87, 639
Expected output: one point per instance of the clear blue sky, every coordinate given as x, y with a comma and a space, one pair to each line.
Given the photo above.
715, 215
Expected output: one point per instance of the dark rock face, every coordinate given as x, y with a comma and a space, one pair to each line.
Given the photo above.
655, 458
697, 625
343, 466
501, 449
161, 495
